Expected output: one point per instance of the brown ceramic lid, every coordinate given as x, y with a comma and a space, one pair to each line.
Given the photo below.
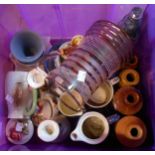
131, 131
128, 100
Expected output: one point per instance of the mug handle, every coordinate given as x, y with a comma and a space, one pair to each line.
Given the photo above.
113, 118
114, 80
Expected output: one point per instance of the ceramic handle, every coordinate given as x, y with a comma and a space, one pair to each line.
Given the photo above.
75, 136
113, 118
115, 80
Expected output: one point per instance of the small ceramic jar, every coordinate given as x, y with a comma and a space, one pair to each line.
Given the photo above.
128, 100
129, 77
131, 131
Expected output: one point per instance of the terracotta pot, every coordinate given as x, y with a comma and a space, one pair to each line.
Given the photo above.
131, 131
128, 100
129, 77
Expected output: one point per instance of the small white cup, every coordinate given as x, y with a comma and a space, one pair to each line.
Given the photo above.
55, 130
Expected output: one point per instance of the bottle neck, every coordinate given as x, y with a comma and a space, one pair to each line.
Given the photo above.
131, 23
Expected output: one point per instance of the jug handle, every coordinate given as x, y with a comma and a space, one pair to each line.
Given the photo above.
114, 80
75, 135
113, 118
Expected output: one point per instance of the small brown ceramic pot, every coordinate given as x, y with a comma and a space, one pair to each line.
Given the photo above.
131, 131
129, 77
133, 63
128, 100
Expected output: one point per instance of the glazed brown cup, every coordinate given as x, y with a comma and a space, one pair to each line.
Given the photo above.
128, 100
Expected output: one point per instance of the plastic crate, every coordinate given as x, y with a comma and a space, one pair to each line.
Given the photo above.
62, 22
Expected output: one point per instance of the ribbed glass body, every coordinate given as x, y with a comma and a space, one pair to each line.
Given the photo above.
104, 49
